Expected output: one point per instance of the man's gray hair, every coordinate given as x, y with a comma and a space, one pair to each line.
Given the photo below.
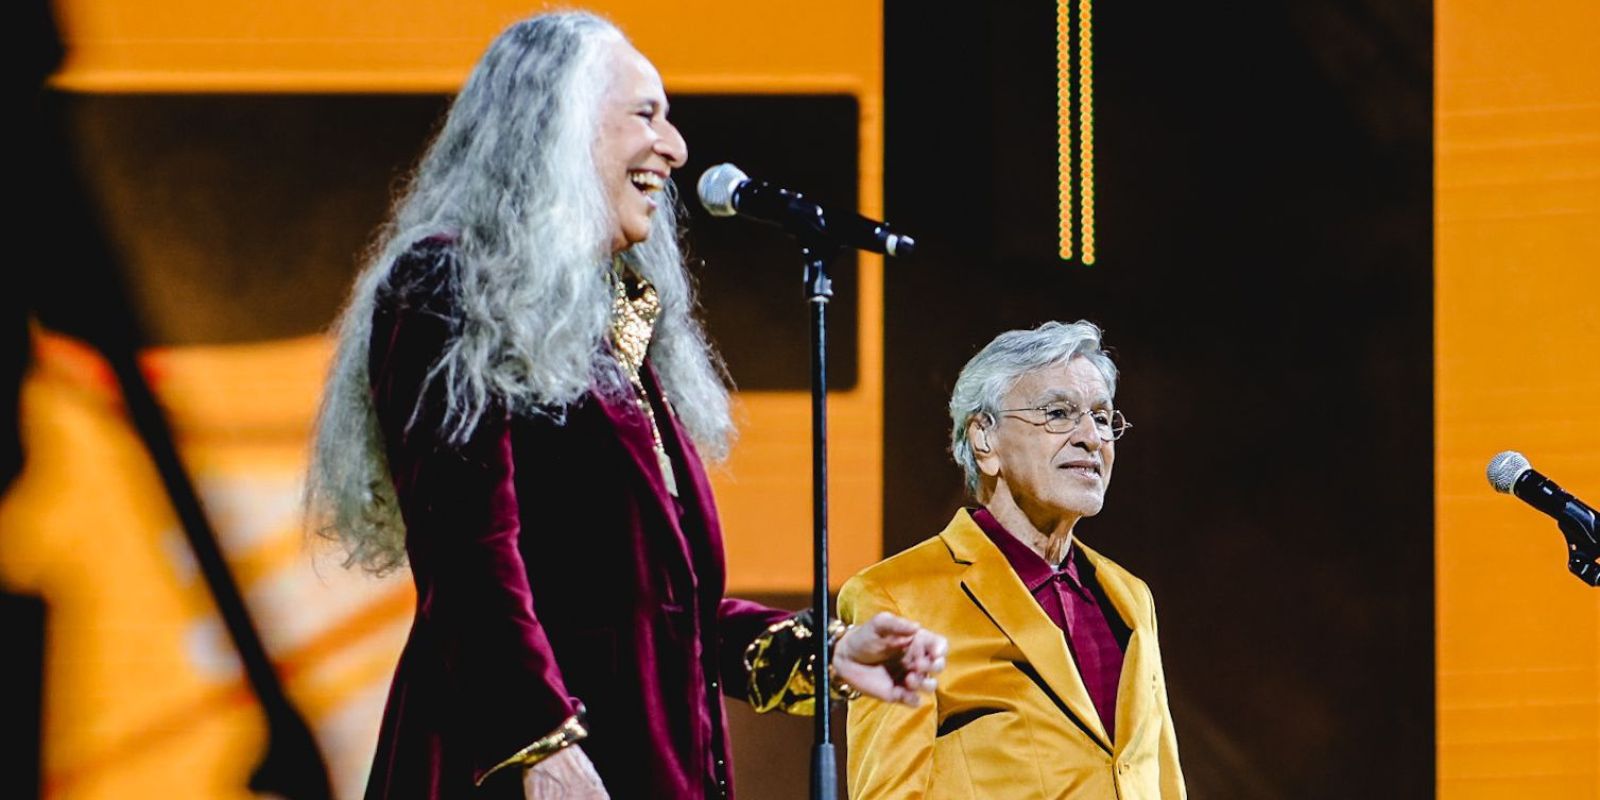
986, 379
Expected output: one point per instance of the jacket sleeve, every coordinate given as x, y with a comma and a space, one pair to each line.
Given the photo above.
891, 745
739, 623
460, 507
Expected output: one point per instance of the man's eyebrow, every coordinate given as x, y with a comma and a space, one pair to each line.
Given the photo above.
1062, 395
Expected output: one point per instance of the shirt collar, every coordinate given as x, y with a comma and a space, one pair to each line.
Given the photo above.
1034, 571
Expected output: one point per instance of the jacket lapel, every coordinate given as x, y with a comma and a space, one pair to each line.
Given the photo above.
1133, 699
694, 496
991, 581
633, 430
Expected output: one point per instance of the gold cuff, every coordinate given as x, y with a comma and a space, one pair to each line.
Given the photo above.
780, 663
572, 731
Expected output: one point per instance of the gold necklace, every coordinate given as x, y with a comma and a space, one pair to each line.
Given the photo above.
634, 310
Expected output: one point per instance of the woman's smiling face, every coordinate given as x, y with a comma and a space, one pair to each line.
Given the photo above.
637, 147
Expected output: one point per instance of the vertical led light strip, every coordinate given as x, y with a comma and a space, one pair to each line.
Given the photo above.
1075, 178
1064, 124
1085, 132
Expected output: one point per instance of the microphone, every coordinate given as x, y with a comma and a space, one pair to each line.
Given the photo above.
1510, 473
725, 191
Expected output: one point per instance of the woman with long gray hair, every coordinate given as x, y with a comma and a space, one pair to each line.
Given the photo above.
517, 409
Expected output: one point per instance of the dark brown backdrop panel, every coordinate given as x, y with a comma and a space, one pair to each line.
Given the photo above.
1264, 276
243, 217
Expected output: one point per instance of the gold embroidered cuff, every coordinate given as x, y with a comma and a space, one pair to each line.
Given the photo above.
779, 665
572, 731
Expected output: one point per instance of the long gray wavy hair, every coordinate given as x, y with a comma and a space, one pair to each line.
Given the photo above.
511, 177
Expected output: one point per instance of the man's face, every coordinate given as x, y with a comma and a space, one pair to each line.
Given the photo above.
1050, 476
637, 147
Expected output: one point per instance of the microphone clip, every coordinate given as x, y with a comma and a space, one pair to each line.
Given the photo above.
1583, 554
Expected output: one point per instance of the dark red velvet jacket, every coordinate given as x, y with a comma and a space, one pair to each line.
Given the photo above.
551, 567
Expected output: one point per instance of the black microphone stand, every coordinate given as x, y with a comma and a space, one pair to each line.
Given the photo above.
819, 244
816, 252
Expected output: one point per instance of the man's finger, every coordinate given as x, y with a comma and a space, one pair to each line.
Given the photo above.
886, 624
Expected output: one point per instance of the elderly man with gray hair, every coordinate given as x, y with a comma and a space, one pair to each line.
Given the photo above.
1053, 685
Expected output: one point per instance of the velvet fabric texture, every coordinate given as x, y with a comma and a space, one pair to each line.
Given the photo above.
552, 567
1072, 598
1011, 716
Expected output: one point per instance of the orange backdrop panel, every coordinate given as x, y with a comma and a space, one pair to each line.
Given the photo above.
144, 691
364, 45
145, 696
1517, 343
833, 46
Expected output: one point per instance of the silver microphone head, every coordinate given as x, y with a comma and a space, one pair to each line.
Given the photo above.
1505, 468
716, 189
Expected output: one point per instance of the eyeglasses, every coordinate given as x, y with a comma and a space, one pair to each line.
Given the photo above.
1064, 418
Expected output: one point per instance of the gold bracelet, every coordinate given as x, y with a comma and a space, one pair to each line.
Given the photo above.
840, 690
572, 731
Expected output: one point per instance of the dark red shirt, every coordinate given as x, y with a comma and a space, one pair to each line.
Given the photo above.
1072, 598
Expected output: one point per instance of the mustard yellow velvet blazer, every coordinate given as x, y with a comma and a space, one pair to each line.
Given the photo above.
1011, 717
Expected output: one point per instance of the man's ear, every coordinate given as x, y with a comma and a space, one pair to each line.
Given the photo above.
982, 444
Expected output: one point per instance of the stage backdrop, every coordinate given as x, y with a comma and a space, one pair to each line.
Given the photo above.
1347, 251
238, 158
1343, 255
1517, 271
1264, 274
